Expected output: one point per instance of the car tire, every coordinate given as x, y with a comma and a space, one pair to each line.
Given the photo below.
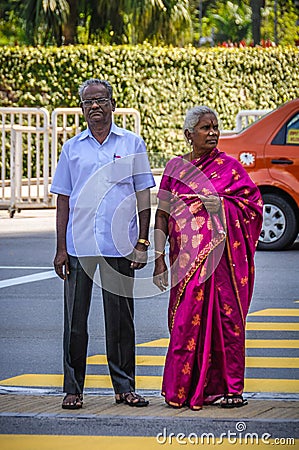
279, 229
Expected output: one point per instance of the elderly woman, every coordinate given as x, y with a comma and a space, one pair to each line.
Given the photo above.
211, 212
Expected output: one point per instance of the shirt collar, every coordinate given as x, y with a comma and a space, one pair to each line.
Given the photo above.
114, 129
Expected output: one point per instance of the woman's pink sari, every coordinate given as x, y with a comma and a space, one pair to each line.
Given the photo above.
212, 275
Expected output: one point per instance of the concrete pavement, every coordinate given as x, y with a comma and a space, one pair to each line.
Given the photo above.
27, 221
29, 413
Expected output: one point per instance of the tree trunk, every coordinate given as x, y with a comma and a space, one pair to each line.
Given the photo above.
69, 29
256, 6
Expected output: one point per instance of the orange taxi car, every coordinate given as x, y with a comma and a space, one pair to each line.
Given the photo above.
269, 150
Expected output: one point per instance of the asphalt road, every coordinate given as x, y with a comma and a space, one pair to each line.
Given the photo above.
31, 309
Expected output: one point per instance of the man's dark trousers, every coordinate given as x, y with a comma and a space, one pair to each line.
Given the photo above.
116, 280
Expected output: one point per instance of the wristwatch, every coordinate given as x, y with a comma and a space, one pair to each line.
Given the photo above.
144, 242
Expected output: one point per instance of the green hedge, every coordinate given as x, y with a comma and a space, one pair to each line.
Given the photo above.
161, 82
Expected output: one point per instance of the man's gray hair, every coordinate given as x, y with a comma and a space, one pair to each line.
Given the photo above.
95, 81
194, 115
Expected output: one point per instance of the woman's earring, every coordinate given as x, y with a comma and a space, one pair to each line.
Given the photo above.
190, 141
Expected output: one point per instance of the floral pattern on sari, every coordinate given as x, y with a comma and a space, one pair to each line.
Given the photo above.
212, 274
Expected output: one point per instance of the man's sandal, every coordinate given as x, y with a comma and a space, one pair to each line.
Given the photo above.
131, 399
72, 401
233, 401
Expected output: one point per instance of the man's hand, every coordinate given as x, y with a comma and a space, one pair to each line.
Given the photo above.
61, 264
139, 256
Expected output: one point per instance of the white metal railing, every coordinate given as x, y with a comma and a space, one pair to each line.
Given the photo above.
24, 134
28, 132
243, 117
32, 190
31, 133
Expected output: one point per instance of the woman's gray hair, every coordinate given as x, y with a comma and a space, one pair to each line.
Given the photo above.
95, 81
194, 115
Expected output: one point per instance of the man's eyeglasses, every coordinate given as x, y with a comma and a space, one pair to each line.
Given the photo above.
99, 101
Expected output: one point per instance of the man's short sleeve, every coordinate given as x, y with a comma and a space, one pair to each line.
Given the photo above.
143, 178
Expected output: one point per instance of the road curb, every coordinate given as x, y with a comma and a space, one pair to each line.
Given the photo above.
100, 416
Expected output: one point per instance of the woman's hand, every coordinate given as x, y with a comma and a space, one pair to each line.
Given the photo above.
160, 276
211, 203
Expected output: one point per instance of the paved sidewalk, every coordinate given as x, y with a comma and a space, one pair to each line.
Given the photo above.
28, 221
100, 416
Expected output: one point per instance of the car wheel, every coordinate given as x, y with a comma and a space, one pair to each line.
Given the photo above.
279, 229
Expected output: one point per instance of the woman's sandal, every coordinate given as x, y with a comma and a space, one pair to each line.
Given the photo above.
176, 405
233, 401
72, 401
131, 399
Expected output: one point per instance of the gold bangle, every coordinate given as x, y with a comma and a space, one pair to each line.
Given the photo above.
160, 253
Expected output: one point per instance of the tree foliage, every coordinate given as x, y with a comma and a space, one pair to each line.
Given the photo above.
134, 21
165, 22
44, 19
232, 20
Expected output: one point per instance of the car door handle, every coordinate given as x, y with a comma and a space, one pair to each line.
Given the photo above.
282, 161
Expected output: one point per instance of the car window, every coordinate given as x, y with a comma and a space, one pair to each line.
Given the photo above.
289, 133
292, 136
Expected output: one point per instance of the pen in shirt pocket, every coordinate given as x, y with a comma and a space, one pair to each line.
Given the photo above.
115, 156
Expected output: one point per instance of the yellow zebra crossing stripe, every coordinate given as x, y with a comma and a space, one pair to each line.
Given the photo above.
50, 442
141, 360
267, 362
272, 326
277, 312
251, 361
271, 343
145, 382
250, 343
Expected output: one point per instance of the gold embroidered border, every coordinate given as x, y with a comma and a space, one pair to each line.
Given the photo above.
234, 277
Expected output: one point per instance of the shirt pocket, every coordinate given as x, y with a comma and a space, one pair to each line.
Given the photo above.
120, 172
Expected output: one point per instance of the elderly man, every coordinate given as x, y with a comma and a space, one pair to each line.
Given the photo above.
101, 175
